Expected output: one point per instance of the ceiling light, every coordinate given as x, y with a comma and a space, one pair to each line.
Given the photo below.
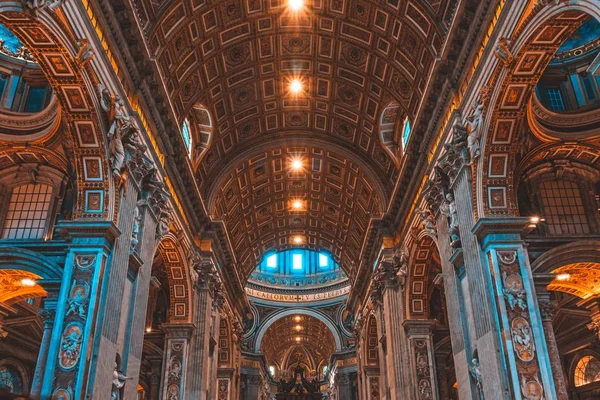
296, 5
148, 329
27, 282
563, 277
534, 220
298, 327
295, 86
298, 338
297, 318
297, 204
298, 239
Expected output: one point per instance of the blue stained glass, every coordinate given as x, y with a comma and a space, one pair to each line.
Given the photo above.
10, 41
272, 261
187, 137
323, 260
297, 261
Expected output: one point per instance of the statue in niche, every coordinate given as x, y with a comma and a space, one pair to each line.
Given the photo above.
77, 303
448, 208
137, 219
475, 371
117, 118
402, 261
475, 124
427, 221
118, 382
503, 52
85, 53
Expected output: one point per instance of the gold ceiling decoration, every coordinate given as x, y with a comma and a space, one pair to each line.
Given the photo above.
17, 285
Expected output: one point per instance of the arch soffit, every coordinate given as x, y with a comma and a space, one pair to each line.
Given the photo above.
301, 311
180, 289
30, 261
70, 85
420, 262
534, 44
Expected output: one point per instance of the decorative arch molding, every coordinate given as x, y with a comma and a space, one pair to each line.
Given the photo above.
295, 311
573, 364
534, 44
54, 51
180, 291
417, 293
568, 158
583, 251
30, 261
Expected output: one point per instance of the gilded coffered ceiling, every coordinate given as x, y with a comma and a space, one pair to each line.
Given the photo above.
297, 331
353, 58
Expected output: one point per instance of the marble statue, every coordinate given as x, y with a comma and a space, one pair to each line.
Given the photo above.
427, 221
117, 117
85, 53
118, 382
475, 122
475, 371
503, 52
137, 219
448, 208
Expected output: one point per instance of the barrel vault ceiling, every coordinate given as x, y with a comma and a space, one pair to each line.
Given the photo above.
355, 58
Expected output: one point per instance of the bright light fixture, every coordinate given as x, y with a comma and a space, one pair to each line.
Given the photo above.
298, 239
295, 86
297, 318
296, 164
296, 5
27, 282
148, 329
298, 327
534, 219
297, 204
563, 277
298, 338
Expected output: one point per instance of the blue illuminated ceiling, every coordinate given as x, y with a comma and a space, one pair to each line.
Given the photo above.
587, 32
297, 268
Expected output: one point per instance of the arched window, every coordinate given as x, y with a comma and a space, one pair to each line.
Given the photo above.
11, 379
405, 133
27, 212
187, 136
563, 208
587, 371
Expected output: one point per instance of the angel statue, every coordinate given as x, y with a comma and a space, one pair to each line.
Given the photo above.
117, 117
448, 208
118, 382
475, 371
475, 122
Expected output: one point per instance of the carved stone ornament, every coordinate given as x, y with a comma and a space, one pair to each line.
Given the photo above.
532, 389
77, 302
513, 291
427, 221
46, 316
475, 124
85, 52
135, 233
522, 339
85, 261
358, 327
63, 394
118, 382
448, 208
503, 51
35, 5
70, 346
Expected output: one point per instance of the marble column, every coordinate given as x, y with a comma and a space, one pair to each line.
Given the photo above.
547, 306
419, 334
389, 279
175, 360
523, 343
47, 314
205, 282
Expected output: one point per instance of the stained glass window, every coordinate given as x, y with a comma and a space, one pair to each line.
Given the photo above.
297, 261
323, 260
563, 208
27, 212
587, 371
10, 379
187, 137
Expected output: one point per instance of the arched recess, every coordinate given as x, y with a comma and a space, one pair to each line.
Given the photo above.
201, 130
424, 264
71, 84
17, 265
297, 311
576, 266
371, 347
176, 267
391, 131
533, 46
10, 366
